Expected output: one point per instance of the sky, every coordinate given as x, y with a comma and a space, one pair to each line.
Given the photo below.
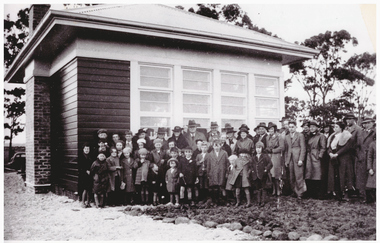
291, 22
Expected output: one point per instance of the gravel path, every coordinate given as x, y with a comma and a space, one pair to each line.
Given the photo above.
51, 217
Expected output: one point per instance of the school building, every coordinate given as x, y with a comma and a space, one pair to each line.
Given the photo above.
130, 66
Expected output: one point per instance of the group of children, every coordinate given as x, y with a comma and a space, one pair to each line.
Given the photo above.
127, 174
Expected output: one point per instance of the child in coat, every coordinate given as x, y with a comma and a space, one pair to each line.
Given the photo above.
141, 182
114, 171
153, 182
128, 164
240, 178
99, 172
187, 172
201, 173
172, 182
261, 166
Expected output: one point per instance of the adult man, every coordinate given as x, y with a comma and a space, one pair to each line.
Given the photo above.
365, 137
354, 129
213, 133
193, 135
161, 132
261, 135
285, 126
230, 132
294, 155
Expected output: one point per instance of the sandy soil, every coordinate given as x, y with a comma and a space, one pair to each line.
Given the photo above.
51, 217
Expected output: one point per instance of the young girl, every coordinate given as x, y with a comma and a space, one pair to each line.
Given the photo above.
172, 182
119, 145
240, 178
153, 182
114, 170
142, 175
261, 166
128, 164
99, 172
85, 181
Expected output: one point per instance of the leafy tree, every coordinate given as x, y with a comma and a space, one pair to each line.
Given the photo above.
13, 110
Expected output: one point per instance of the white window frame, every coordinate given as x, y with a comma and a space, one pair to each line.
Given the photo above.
275, 97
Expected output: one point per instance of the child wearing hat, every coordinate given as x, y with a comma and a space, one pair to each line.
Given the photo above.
99, 172
261, 167
172, 181
141, 181
187, 172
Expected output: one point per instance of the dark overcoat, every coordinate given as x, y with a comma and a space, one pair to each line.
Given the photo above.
216, 167
364, 139
245, 166
371, 164
189, 170
316, 147
172, 181
260, 165
128, 166
180, 142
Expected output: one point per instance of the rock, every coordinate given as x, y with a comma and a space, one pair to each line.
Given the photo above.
225, 225
134, 213
314, 237
236, 226
331, 237
303, 238
158, 218
343, 239
267, 233
182, 220
168, 220
293, 236
278, 235
247, 229
128, 208
262, 215
194, 221
256, 232
136, 208
210, 224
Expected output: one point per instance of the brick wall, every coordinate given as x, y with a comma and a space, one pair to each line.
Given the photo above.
38, 167
36, 13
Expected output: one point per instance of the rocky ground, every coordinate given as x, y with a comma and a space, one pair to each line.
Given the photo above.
51, 217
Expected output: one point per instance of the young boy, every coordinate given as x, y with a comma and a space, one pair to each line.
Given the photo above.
142, 175
129, 165
172, 184
201, 173
261, 167
199, 148
187, 172
114, 171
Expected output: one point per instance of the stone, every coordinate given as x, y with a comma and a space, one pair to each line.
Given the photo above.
194, 221
343, 239
236, 226
278, 235
134, 213
136, 207
331, 237
168, 220
303, 238
225, 225
128, 208
182, 220
210, 224
293, 236
256, 232
158, 218
314, 237
247, 229
267, 233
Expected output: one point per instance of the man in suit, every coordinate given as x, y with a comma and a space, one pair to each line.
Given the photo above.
261, 135
230, 132
193, 135
294, 159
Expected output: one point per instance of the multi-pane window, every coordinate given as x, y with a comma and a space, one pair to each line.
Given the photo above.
267, 97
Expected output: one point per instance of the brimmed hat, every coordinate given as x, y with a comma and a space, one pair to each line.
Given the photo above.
128, 132
284, 118
102, 130
259, 144
141, 130
157, 140
187, 148
214, 124
161, 130
173, 159
244, 126
228, 128
175, 149
261, 124
350, 115
293, 122
177, 129
141, 140
305, 123
271, 124
243, 130
143, 151
313, 122
368, 119
192, 124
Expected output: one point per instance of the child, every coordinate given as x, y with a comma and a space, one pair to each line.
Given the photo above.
141, 144
159, 156
261, 166
85, 161
201, 173
102, 147
199, 143
128, 164
119, 145
230, 170
171, 144
187, 172
128, 139
153, 182
114, 170
142, 175
99, 172
172, 184
241, 170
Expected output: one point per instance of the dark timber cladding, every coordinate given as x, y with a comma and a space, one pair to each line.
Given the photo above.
92, 94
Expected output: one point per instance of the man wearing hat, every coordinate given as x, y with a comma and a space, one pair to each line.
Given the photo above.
261, 135
193, 135
161, 132
230, 132
284, 126
178, 138
365, 137
213, 133
306, 133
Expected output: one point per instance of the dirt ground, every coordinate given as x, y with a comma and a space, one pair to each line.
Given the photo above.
51, 217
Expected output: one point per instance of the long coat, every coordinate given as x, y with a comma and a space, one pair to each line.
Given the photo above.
128, 166
159, 158
189, 170
216, 167
296, 148
191, 142
180, 142
275, 146
112, 162
172, 181
244, 166
245, 143
260, 165
371, 164
344, 161
84, 165
316, 147
364, 139
99, 172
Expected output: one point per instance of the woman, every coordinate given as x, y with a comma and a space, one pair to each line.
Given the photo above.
275, 146
85, 161
326, 131
244, 142
340, 166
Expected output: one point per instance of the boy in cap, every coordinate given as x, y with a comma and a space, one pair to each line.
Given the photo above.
187, 172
